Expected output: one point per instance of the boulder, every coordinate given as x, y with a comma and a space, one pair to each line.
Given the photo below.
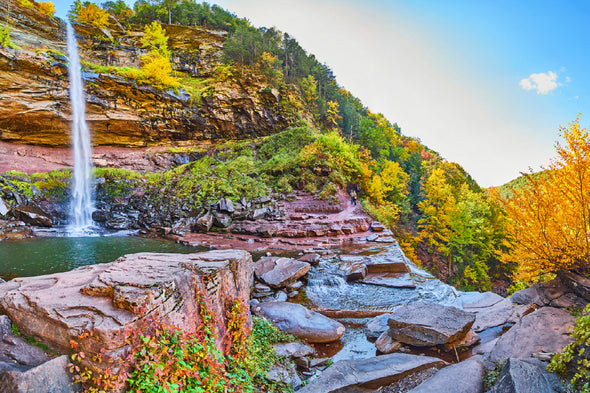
225, 205
385, 344
279, 272
463, 377
15, 350
4, 208
107, 299
353, 270
293, 350
376, 326
524, 376
372, 373
554, 293
32, 215
297, 320
579, 285
204, 223
47, 377
221, 220
376, 226
428, 324
311, 258
545, 330
118, 222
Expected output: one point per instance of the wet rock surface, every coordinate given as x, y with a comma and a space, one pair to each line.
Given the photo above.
297, 320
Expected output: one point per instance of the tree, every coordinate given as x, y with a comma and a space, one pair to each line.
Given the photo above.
88, 13
549, 218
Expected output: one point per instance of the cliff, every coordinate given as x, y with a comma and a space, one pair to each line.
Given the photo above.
35, 108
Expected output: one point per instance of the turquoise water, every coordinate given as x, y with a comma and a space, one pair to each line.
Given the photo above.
34, 257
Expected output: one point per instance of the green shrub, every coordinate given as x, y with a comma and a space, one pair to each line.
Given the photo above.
574, 361
5, 40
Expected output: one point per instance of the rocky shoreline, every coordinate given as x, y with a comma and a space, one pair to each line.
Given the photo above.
530, 325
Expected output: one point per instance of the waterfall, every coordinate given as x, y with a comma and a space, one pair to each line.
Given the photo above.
82, 204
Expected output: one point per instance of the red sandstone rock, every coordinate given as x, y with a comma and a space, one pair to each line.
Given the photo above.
101, 298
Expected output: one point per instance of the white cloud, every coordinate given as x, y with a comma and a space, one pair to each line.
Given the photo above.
543, 83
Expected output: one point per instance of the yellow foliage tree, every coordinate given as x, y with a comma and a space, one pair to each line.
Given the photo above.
156, 64
549, 218
47, 8
92, 14
333, 114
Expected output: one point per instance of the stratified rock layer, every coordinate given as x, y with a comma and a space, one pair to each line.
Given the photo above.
104, 298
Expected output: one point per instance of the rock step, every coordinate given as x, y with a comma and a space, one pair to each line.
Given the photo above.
358, 374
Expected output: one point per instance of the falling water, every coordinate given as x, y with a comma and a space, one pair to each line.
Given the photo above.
82, 204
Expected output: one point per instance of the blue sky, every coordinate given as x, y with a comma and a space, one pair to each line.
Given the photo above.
485, 83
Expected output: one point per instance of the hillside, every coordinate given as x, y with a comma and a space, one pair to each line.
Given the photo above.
179, 91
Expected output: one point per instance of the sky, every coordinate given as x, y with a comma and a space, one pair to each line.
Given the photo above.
487, 84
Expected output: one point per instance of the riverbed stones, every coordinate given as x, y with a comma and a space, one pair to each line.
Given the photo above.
299, 321
106, 298
353, 270
279, 272
526, 375
372, 373
546, 330
32, 215
425, 324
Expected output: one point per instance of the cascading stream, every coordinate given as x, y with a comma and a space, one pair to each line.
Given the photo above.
82, 203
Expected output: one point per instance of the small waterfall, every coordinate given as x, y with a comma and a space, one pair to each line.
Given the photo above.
82, 204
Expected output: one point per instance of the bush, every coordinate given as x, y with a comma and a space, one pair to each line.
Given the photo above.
5, 40
574, 361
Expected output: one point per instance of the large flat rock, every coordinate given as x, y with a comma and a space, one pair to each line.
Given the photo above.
392, 280
429, 324
500, 313
301, 322
106, 298
464, 377
546, 330
371, 373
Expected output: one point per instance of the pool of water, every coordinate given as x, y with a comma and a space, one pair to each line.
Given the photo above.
46, 255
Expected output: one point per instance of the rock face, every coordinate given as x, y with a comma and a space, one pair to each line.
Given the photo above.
104, 298
559, 292
32, 215
523, 376
280, 272
121, 111
545, 330
464, 377
372, 373
301, 322
429, 324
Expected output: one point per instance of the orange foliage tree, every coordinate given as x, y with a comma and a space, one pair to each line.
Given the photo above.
549, 218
